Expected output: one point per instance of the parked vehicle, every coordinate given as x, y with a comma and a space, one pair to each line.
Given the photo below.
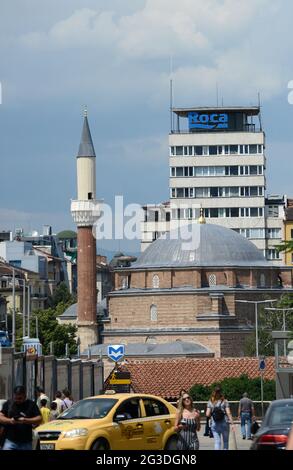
276, 425
127, 421
4, 339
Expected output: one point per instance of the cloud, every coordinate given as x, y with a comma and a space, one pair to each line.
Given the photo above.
210, 42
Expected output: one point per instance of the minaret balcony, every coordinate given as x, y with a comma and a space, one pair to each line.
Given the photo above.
86, 212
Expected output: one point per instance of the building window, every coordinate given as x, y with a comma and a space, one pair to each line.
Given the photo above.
168, 216
179, 150
262, 280
156, 216
154, 313
273, 254
125, 283
274, 232
155, 236
273, 211
156, 281
212, 280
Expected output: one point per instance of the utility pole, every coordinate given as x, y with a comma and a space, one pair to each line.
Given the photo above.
13, 309
23, 308
28, 310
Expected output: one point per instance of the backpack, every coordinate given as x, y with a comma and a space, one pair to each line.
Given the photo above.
218, 414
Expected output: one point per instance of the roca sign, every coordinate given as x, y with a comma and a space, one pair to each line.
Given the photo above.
208, 121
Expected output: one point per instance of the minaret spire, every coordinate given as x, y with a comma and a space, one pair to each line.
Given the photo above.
86, 146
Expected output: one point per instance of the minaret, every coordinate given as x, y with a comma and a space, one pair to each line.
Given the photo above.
85, 211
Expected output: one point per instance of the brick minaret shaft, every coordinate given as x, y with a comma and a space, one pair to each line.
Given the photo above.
85, 211
86, 273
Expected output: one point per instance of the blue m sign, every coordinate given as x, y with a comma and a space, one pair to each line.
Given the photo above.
116, 351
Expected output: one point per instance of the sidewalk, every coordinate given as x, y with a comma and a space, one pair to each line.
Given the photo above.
206, 443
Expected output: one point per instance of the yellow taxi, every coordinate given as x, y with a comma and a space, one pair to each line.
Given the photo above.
126, 421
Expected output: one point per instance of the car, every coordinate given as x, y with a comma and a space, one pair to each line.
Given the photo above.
273, 433
125, 421
4, 339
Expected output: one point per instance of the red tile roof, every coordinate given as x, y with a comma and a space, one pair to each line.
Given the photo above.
167, 377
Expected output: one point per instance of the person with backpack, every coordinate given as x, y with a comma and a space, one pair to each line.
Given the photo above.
218, 410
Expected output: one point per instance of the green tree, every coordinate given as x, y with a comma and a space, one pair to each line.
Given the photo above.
286, 247
234, 387
269, 321
63, 295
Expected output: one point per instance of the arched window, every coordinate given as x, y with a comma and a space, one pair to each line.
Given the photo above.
262, 280
212, 280
156, 281
154, 313
151, 339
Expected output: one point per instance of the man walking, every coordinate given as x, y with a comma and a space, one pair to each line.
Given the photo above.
245, 413
18, 417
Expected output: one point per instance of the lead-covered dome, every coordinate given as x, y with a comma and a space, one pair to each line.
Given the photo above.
206, 245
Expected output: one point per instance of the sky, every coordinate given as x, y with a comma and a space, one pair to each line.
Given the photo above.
116, 57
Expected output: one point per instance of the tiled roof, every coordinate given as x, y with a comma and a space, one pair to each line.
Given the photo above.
167, 377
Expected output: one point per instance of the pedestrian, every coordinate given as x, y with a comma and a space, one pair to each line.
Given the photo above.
54, 411
19, 416
246, 415
45, 412
187, 423
67, 399
59, 402
41, 396
218, 410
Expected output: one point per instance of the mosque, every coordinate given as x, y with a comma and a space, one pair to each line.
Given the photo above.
178, 298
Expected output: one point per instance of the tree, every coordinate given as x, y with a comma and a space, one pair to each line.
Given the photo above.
50, 330
286, 246
62, 294
269, 321
234, 387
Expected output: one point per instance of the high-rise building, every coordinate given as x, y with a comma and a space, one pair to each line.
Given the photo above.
217, 162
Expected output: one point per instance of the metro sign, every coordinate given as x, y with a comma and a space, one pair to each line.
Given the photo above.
208, 121
116, 351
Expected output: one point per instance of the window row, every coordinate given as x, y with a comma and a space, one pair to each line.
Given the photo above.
235, 170
219, 212
200, 150
226, 191
259, 232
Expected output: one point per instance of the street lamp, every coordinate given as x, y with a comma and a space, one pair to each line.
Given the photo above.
19, 280
256, 302
284, 311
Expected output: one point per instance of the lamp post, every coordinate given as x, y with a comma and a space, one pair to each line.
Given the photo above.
284, 311
256, 302
13, 309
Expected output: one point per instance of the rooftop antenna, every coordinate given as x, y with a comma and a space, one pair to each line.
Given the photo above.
259, 105
171, 93
217, 91
222, 102
85, 110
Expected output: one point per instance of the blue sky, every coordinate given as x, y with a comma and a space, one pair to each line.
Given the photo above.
115, 57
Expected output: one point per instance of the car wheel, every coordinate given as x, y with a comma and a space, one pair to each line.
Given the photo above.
100, 444
171, 443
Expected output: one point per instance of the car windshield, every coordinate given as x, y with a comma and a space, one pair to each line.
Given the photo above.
281, 414
2, 333
92, 408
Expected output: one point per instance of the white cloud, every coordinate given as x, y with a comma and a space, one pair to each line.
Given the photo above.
211, 41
